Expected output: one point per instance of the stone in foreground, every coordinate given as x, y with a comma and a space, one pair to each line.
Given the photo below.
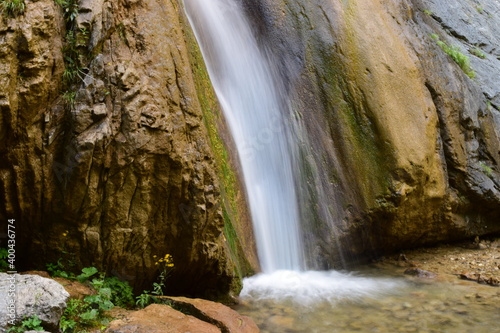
34, 295
158, 318
220, 315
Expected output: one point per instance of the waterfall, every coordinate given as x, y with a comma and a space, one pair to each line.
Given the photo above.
255, 107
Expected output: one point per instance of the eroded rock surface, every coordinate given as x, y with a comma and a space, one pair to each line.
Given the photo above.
115, 167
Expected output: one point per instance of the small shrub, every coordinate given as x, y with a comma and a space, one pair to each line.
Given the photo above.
454, 52
428, 12
13, 8
121, 292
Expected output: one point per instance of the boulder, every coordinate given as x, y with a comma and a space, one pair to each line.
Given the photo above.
225, 318
158, 318
34, 295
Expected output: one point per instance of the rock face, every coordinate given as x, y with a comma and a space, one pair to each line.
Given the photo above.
117, 163
34, 295
114, 166
406, 144
226, 319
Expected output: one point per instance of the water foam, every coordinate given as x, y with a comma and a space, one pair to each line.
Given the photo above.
315, 286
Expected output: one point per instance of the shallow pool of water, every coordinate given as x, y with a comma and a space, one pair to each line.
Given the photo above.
371, 301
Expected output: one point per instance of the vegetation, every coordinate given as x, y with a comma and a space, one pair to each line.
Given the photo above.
32, 323
454, 52
428, 12
91, 311
4, 255
12, 8
167, 265
75, 50
478, 53
486, 169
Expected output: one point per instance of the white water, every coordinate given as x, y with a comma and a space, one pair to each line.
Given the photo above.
313, 287
255, 109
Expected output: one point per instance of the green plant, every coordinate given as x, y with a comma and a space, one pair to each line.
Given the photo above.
58, 270
4, 255
12, 8
144, 299
87, 272
167, 264
32, 323
454, 52
121, 292
478, 53
486, 169
428, 12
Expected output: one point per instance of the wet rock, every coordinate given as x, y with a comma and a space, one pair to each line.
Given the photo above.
417, 272
34, 295
393, 190
158, 318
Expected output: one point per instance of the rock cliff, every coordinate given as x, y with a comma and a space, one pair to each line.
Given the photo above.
108, 155
405, 140
105, 155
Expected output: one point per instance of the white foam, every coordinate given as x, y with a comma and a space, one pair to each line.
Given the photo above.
315, 286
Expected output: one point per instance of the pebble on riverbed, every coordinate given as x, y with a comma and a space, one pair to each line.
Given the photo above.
420, 273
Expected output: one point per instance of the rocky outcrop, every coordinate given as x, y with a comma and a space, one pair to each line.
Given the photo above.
226, 319
405, 143
111, 166
158, 319
34, 295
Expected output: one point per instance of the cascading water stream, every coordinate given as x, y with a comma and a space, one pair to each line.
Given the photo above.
267, 139
255, 109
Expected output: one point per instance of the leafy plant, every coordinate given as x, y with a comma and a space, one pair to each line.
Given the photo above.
121, 292
144, 299
454, 52
32, 323
87, 272
4, 255
167, 264
58, 270
12, 8
428, 12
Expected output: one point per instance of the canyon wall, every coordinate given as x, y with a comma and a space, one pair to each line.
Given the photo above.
106, 156
111, 139
406, 141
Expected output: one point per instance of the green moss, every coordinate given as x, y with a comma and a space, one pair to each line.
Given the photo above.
478, 53
486, 169
12, 8
358, 136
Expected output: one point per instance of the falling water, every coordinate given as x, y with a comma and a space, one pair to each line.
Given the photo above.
256, 110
